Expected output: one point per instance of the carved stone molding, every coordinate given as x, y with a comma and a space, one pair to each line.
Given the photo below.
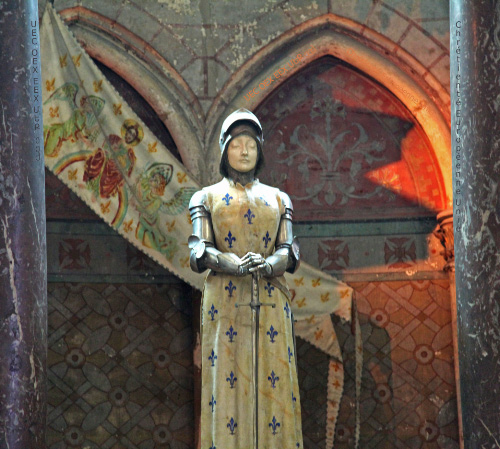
444, 232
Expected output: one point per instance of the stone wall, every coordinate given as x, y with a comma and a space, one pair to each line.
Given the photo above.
370, 223
207, 41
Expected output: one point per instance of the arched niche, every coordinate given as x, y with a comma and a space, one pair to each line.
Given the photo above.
345, 148
359, 47
149, 74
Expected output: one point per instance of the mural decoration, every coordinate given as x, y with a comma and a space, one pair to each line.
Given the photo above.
104, 153
350, 147
320, 172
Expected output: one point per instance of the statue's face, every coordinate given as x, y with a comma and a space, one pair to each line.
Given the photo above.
242, 153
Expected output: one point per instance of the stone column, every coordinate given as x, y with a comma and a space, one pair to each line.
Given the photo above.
23, 287
444, 233
475, 105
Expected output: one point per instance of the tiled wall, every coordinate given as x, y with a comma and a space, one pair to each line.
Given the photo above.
120, 366
130, 336
408, 397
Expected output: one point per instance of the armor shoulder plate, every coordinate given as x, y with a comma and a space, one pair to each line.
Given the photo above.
198, 199
287, 205
285, 199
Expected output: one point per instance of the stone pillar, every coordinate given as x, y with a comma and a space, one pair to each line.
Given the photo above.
444, 233
475, 106
23, 287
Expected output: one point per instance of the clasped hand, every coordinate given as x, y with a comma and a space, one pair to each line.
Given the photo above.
252, 262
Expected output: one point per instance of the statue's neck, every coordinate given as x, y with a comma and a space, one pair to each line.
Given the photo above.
242, 178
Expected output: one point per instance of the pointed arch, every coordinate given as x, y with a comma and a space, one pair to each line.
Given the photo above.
359, 46
148, 73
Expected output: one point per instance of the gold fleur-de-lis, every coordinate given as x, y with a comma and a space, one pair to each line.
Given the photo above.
170, 225
76, 60
325, 297
335, 366
49, 84
181, 177
72, 174
333, 404
185, 262
117, 109
127, 225
63, 60
336, 383
152, 147
316, 282
299, 282
301, 303
54, 112
318, 334
310, 320
344, 293
189, 218
97, 86
105, 207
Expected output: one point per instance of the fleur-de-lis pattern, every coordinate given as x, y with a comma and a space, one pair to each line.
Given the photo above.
287, 310
227, 372
266, 239
231, 425
274, 424
249, 215
227, 198
273, 378
232, 379
212, 357
264, 201
236, 199
212, 312
231, 333
230, 288
272, 333
230, 239
269, 288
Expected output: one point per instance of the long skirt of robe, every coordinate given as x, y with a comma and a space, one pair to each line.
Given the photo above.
228, 396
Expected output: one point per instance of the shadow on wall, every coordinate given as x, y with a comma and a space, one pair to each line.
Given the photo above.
345, 148
377, 398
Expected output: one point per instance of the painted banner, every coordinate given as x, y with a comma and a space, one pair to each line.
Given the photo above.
98, 146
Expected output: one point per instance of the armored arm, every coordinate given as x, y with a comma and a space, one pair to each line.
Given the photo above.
286, 256
204, 255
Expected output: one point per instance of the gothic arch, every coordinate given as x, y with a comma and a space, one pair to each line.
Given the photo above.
148, 73
364, 49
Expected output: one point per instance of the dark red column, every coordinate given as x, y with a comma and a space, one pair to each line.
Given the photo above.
475, 103
23, 289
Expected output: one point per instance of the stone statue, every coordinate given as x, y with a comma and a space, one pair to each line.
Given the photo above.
242, 232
